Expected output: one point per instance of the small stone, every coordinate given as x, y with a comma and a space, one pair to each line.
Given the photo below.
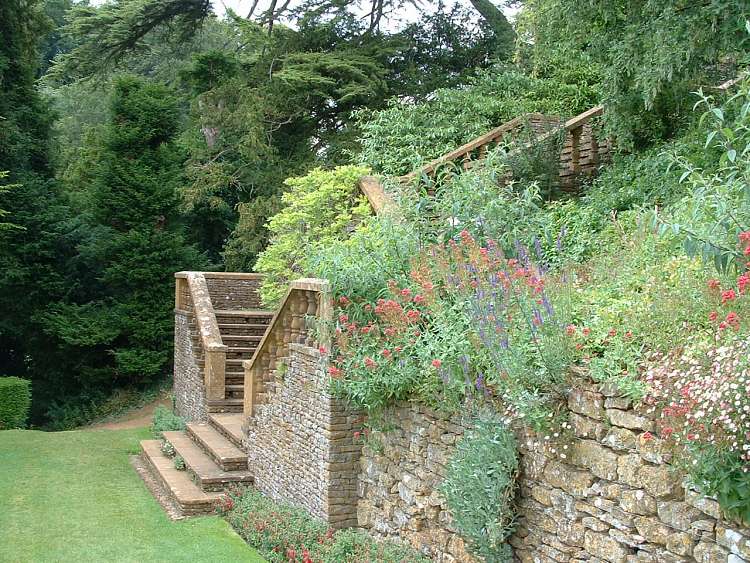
638, 502
680, 543
678, 515
706, 552
620, 439
705, 505
653, 530
629, 420
605, 547
660, 481
585, 427
594, 524
733, 541
562, 477
587, 403
601, 461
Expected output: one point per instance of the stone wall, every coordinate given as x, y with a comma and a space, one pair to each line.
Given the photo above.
400, 471
189, 392
234, 292
610, 495
301, 444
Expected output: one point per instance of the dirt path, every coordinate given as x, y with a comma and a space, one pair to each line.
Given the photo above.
137, 418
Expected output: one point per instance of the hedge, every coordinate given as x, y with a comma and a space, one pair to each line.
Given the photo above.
15, 399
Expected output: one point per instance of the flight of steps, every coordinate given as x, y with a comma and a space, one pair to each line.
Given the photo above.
213, 456
241, 331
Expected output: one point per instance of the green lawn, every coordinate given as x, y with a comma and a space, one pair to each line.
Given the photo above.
73, 496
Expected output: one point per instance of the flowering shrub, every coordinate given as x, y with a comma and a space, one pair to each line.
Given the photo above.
524, 336
283, 533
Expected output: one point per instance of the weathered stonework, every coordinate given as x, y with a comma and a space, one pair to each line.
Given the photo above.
613, 497
189, 391
301, 444
400, 471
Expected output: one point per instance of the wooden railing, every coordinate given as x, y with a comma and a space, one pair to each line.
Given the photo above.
305, 298
192, 296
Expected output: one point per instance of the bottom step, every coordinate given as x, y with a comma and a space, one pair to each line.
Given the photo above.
225, 405
191, 499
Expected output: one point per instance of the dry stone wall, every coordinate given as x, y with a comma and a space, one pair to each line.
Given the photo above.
189, 391
301, 444
610, 495
401, 469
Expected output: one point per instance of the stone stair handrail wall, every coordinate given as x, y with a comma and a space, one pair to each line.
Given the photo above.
306, 297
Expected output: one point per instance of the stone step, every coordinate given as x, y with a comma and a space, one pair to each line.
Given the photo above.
225, 405
229, 425
237, 317
242, 350
234, 391
240, 338
226, 455
190, 498
262, 326
209, 476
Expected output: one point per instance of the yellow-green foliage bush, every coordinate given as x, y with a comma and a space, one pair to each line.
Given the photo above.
15, 399
322, 207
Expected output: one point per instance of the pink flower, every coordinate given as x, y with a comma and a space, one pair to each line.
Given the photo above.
344, 301
647, 436
323, 350
370, 363
343, 318
586, 331
436, 364
728, 295
357, 434
419, 299
406, 292
712, 316
386, 353
570, 330
612, 332
713, 284
334, 372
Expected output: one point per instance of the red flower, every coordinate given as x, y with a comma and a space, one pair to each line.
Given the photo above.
743, 281
368, 307
586, 331
728, 295
357, 434
612, 332
629, 334
418, 299
390, 331
406, 292
291, 554
386, 353
344, 301
712, 316
713, 284
370, 363
747, 250
570, 330
334, 372
745, 237
436, 364
366, 329
647, 436
397, 349
733, 320
323, 350
413, 315
343, 318
667, 432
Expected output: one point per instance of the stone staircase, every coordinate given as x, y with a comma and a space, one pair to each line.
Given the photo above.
213, 459
241, 331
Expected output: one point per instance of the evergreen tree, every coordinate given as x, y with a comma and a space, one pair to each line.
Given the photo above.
122, 320
34, 256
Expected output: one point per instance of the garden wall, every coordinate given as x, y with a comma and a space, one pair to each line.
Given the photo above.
612, 497
301, 445
189, 390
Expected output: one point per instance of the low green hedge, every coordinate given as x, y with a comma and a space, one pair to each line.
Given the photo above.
15, 400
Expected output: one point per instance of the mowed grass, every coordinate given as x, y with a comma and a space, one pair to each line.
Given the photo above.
73, 496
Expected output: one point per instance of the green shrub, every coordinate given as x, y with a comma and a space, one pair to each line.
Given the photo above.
282, 533
723, 474
15, 400
166, 421
479, 487
404, 136
320, 208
